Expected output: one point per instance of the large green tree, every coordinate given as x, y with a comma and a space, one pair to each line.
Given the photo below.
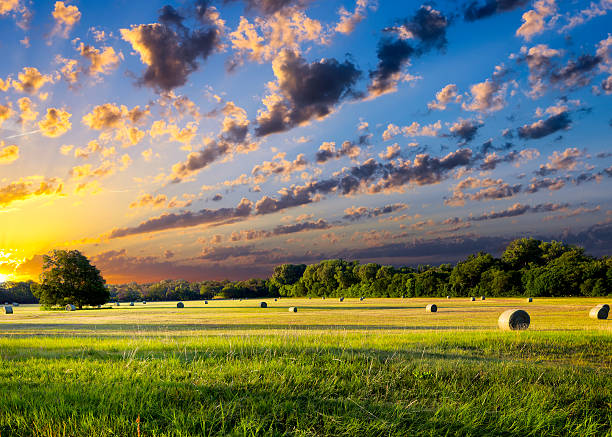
69, 278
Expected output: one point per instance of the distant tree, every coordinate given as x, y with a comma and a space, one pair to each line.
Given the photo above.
69, 278
522, 252
287, 274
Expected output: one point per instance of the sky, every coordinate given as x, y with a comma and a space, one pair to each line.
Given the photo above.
215, 139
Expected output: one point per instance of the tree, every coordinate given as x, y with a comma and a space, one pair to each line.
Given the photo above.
69, 278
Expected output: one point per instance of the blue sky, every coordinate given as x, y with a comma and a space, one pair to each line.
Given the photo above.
214, 139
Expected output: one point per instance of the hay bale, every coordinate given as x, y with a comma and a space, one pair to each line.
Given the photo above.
599, 312
341, 299
263, 305
513, 320
482, 298
293, 309
144, 302
530, 299
448, 297
473, 299
131, 304
15, 304
180, 305
99, 306
431, 308
361, 298
8, 309
205, 302
116, 303
275, 299
70, 307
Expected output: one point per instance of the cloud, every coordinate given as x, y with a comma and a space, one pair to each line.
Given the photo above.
534, 20
304, 91
544, 127
428, 26
27, 111
362, 212
186, 219
518, 209
265, 38
66, 17
198, 160
585, 15
413, 130
446, 95
252, 234
30, 80
29, 188
169, 49
487, 96
566, 160
117, 123
465, 130
148, 200
489, 189
576, 73
539, 184
348, 21
492, 160
5, 113
392, 152
8, 154
56, 123
269, 7
539, 61
328, 151
279, 166
476, 10
97, 62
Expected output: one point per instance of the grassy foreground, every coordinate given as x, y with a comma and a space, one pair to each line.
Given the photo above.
378, 367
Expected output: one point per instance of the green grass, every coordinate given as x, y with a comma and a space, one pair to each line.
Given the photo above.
378, 367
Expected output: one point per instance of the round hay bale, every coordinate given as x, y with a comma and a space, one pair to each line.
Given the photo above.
431, 308
15, 304
70, 307
530, 299
99, 306
361, 298
599, 313
513, 320
482, 298
293, 309
473, 299
341, 299
275, 299
144, 302
8, 309
180, 305
116, 303
263, 305
448, 297
205, 302
131, 304
604, 305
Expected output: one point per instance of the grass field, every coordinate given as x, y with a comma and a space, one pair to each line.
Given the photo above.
377, 367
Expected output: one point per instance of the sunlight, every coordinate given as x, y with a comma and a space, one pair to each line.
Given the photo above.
4, 277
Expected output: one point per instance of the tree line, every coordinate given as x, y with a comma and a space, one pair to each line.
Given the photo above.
527, 267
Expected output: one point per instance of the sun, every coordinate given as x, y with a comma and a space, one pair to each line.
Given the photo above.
4, 277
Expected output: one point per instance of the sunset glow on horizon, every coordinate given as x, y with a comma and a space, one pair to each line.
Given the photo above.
216, 139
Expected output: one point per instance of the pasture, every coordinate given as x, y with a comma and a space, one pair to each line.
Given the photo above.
372, 367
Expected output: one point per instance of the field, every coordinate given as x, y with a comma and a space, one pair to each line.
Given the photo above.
377, 367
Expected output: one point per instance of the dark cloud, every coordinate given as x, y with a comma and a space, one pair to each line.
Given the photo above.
576, 73
308, 91
424, 170
269, 7
539, 184
465, 130
217, 197
392, 56
170, 49
477, 10
354, 214
198, 160
427, 26
300, 227
545, 127
328, 151
488, 146
187, 219
517, 209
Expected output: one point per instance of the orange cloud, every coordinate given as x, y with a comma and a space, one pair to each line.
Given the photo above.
66, 17
8, 154
56, 123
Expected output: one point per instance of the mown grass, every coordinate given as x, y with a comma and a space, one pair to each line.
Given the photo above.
381, 367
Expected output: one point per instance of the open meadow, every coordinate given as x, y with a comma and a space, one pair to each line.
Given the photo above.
372, 367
